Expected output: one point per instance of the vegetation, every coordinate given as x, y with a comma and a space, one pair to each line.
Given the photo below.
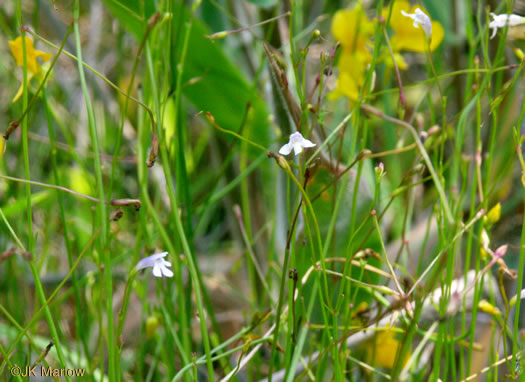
262, 190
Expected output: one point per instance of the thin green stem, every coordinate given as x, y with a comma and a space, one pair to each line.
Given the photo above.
101, 210
31, 241
45, 304
422, 151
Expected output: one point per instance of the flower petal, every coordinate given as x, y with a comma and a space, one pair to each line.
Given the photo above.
352, 28
157, 270
438, 33
501, 21
17, 50
21, 88
144, 263
165, 271
157, 256
400, 10
297, 148
150, 261
406, 36
43, 55
382, 350
347, 86
286, 149
422, 19
307, 143
18, 93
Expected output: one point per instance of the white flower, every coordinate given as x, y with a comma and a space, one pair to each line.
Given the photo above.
420, 18
501, 20
297, 142
157, 262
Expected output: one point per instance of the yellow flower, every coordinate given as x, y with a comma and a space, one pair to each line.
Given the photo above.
31, 59
382, 350
352, 28
31, 54
407, 36
352, 69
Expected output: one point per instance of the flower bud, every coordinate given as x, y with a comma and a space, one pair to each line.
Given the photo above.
380, 171
487, 307
218, 35
152, 323
494, 214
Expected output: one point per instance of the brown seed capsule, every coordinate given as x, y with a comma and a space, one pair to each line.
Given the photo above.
153, 151
116, 215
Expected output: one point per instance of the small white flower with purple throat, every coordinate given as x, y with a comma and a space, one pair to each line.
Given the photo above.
500, 21
297, 143
157, 262
420, 18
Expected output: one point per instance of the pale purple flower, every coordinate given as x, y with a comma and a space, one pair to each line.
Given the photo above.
420, 18
157, 262
500, 21
297, 143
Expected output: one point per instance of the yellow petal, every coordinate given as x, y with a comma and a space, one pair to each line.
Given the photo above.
354, 62
43, 55
21, 88
345, 87
352, 28
438, 33
31, 54
19, 93
415, 39
382, 351
397, 20
352, 69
